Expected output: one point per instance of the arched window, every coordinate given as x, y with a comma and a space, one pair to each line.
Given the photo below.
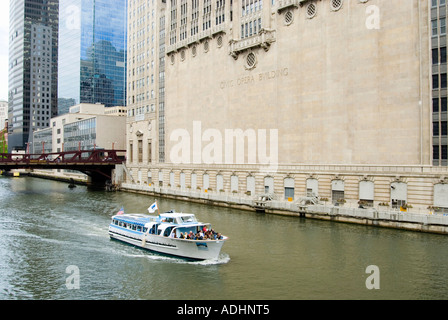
250, 185
219, 182
234, 183
206, 181
160, 178
312, 187
398, 194
367, 192
337, 190
194, 184
441, 196
269, 185
182, 180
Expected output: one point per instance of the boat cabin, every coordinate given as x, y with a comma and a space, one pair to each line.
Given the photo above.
168, 224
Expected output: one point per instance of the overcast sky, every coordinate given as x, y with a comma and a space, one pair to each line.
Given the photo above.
4, 47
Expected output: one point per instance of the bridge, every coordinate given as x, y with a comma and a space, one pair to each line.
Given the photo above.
97, 164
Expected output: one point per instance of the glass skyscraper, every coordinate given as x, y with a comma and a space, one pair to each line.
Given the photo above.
92, 52
33, 68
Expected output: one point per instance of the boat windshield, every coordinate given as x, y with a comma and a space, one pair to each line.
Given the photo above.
189, 218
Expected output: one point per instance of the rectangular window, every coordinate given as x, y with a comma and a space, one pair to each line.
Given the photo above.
435, 56
398, 203
435, 128
443, 104
434, 28
436, 153
140, 151
444, 152
289, 193
337, 195
435, 81
444, 128
435, 105
442, 26
443, 80
443, 55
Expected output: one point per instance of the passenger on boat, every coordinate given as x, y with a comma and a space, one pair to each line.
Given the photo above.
209, 235
200, 236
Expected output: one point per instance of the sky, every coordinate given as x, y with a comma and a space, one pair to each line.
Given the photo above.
4, 48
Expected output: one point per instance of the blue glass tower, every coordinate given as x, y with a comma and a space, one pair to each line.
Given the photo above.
92, 53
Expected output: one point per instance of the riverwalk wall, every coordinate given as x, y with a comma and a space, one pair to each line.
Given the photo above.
377, 217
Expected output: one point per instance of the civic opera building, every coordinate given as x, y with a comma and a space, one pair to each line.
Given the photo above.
340, 99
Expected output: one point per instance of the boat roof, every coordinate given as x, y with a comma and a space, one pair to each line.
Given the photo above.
135, 218
142, 219
176, 214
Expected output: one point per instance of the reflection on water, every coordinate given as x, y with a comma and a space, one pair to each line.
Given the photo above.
46, 227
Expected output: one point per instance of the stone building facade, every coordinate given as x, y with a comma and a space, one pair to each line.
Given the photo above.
331, 98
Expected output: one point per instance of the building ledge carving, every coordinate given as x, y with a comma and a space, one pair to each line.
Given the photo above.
302, 2
263, 39
286, 4
197, 38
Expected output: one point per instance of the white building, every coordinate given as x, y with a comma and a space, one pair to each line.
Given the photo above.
85, 127
3, 114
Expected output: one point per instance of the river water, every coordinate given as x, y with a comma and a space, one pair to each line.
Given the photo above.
48, 230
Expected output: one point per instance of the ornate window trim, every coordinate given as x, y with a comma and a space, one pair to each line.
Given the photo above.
263, 40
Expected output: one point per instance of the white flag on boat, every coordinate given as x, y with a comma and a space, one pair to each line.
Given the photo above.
153, 208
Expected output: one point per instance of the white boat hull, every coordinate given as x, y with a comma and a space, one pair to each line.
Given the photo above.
190, 249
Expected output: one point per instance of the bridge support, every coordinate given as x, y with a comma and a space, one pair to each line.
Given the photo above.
99, 178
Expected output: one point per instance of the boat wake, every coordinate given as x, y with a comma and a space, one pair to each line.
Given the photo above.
222, 259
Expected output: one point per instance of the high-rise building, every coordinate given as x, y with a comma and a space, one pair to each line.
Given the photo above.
92, 52
33, 68
146, 81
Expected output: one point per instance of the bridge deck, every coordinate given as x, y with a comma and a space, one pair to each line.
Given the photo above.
90, 162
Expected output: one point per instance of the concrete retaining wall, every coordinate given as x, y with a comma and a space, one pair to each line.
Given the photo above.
433, 223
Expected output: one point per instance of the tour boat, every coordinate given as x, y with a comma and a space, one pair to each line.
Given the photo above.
166, 233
